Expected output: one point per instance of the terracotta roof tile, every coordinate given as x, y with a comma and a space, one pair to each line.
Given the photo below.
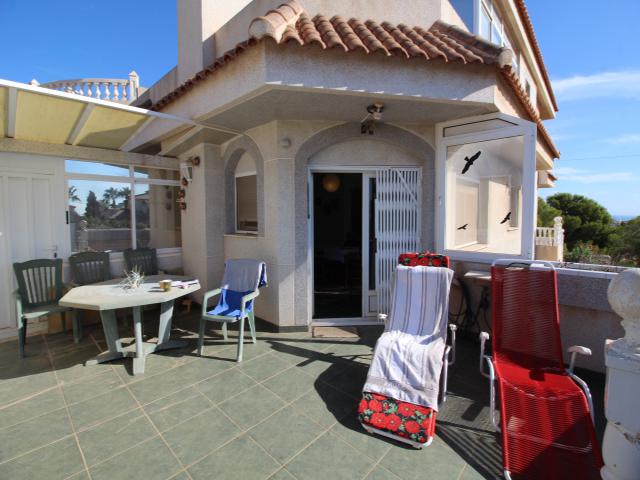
528, 26
289, 23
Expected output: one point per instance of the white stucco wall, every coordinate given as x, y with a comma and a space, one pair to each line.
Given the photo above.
283, 241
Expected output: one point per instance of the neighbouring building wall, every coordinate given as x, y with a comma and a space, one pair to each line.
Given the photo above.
198, 20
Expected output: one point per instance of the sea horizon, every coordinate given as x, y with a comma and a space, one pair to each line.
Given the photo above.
623, 218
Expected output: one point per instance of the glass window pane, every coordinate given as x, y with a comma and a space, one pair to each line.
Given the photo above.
155, 173
485, 24
496, 33
158, 216
99, 215
246, 204
484, 185
96, 168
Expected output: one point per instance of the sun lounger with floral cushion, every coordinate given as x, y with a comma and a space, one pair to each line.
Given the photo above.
408, 373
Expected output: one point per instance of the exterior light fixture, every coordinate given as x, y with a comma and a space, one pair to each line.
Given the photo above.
186, 171
374, 114
331, 182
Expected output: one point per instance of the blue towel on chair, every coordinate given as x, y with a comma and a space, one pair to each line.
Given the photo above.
230, 304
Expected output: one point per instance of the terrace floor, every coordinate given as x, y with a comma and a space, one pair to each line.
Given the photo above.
287, 412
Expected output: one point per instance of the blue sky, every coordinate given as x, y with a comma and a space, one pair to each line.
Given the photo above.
590, 51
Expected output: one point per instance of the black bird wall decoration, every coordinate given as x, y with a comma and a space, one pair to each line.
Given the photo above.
469, 162
463, 227
506, 218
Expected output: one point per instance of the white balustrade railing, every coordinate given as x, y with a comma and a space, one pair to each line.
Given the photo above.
110, 89
551, 236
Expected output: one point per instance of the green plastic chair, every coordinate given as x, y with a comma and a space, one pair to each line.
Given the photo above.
89, 267
144, 259
40, 288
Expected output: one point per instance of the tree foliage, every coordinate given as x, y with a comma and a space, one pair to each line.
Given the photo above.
546, 213
584, 219
93, 206
625, 243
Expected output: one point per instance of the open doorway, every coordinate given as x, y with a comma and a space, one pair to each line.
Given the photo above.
337, 240
360, 221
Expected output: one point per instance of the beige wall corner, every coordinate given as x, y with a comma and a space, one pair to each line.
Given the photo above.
203, 219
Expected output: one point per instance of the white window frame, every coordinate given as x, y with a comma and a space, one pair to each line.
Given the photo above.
515, 200
235, 201
520, 128
489, 6
493, 12
132, 180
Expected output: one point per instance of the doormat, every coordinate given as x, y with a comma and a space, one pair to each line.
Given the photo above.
335, 332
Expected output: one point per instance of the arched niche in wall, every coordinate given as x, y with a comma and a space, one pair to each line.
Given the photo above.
325, 147
244, 187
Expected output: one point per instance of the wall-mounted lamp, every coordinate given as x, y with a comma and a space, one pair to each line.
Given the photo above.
331, 182
374, 114
186, 173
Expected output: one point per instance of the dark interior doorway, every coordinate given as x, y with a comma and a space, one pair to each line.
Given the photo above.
337, 237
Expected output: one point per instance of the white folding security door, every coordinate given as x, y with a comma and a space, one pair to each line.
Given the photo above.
398, 226
26, 230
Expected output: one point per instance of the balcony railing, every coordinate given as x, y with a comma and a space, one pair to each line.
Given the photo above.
551, 236
110, 89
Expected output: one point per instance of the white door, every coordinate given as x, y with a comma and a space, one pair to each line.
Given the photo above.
398, 226
26, 230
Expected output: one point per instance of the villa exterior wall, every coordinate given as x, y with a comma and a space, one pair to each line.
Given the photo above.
266, 66
285, 150
202, 223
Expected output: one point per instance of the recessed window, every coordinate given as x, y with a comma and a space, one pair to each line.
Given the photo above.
515, 61
246, 186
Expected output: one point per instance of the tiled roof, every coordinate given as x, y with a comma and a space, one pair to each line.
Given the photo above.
290, 24
528, 25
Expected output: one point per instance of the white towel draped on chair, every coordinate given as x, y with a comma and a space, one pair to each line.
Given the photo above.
408, 357
244, 275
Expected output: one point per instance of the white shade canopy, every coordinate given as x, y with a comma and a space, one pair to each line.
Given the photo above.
49, 116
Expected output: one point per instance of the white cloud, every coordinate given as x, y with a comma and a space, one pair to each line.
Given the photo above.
629, 139
577, 175
624, 84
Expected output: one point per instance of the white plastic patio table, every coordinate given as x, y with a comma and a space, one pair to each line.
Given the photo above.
106, 297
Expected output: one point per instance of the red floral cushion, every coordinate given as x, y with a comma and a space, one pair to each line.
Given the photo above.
399, 418
426, 259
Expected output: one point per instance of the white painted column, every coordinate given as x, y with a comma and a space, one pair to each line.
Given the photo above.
280, 229
621, 444
203, 221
